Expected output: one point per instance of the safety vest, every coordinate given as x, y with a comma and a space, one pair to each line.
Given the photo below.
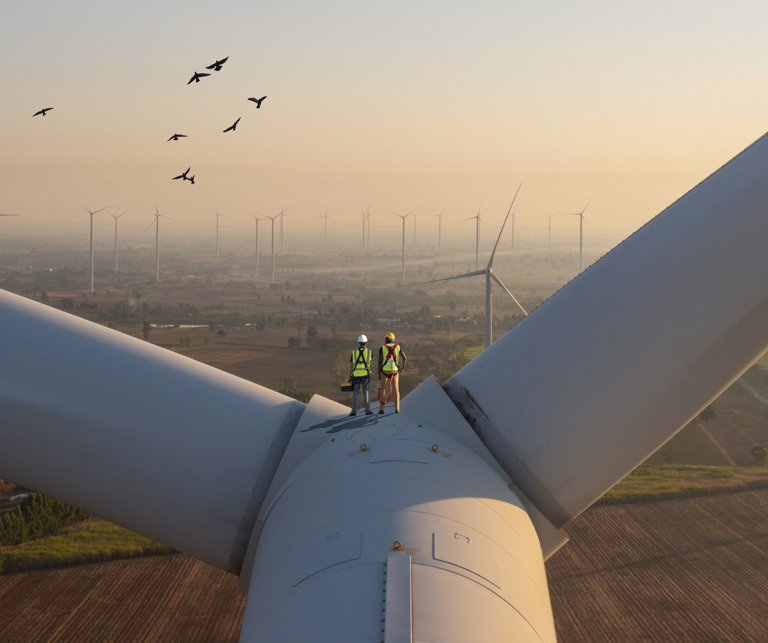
361, 360
391, 358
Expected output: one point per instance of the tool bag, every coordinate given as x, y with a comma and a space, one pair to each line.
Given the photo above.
346, 387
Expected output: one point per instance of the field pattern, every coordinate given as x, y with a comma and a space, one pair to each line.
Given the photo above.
692, 570
682, 570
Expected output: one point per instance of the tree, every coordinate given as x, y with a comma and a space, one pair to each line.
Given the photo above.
312, 331
146, 329
290, 383
452, 305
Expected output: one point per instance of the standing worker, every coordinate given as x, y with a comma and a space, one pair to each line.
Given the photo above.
390, 368
360, 374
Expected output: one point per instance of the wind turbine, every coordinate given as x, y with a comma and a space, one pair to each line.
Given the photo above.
549, 236
156, 222
282, 216
326, 218
433, 524
415, 216
256, 245
581, 228
116, 217
478, 221
368, 225
513, 230
439, 231
489, 275
92, 213
403, 217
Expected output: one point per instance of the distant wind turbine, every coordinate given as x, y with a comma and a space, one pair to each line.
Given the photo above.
403, 217
415, 215
439, 230
513, 230
92, 213
549, 236
158, 216
489, 275
282, 216
368, 225
9, 215
116, 217
326, 218
581, 229
477, 237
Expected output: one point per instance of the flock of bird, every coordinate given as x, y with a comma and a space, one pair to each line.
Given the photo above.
216, 66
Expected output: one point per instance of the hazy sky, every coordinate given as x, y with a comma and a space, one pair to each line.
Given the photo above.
398, 104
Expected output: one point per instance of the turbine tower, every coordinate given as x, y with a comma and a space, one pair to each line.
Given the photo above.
478, 221
439, 231
549, 235
489, 275
581, 228
415, 216
256, 244
368, 225
272, 219
282, 216
156, 223
218, 216
91, 244
362, 214
430, 525
116, 217
326, 218
403, 217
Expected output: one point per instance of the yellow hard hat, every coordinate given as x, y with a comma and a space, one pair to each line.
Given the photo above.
390, 336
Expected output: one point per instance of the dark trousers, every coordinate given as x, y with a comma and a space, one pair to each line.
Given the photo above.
365, 384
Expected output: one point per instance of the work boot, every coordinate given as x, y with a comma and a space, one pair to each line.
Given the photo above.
352, 414
369, 412
397, 410
381, 411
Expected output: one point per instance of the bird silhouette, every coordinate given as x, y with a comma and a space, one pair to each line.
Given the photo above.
192, 180
232, 127
197, 77
183, 175
42, 111
257, 101
176, 137
217, 65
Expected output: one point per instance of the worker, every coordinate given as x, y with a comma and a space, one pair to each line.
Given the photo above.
360, 374
391, 363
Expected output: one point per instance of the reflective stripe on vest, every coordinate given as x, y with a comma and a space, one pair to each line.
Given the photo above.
391, 359
362, 362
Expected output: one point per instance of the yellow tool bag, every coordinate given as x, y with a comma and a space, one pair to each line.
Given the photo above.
346, 387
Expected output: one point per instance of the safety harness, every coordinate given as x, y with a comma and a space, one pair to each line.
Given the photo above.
361, 360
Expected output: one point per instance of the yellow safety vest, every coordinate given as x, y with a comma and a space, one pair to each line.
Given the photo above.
391, 358
361, 360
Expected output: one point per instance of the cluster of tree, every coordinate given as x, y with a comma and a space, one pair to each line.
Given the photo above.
760, 456
36, 516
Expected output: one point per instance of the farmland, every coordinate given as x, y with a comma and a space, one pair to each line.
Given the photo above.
687, 570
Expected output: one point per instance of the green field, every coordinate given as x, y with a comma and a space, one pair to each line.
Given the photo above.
92, 540
659, 482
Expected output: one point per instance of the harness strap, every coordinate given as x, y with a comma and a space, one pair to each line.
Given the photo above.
361, 359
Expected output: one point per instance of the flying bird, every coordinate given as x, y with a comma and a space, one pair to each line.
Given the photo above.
233, 127
182, 176
42, 111
197, 77
257, 101
176, 137
217, 65
192, 180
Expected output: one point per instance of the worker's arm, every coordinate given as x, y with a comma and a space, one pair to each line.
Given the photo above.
351, 366
380, 359
405, 359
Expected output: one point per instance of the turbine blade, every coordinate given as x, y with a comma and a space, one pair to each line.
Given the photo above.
434, 281
506, 290
609, 368
161, 444
104, 208
493, 254
588, 202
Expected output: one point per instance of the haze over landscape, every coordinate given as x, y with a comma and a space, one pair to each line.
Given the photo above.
439, 109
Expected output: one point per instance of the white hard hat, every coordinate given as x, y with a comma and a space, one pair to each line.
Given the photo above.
362, 339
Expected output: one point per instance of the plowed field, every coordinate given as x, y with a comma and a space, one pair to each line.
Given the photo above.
692, 570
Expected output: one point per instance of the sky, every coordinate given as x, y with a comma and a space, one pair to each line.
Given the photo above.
396, 105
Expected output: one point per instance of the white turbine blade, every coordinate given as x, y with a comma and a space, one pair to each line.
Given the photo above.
506, 290
585, 207
151, 224
493, 254
433, 281
605, 371
162, 216
163, 445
